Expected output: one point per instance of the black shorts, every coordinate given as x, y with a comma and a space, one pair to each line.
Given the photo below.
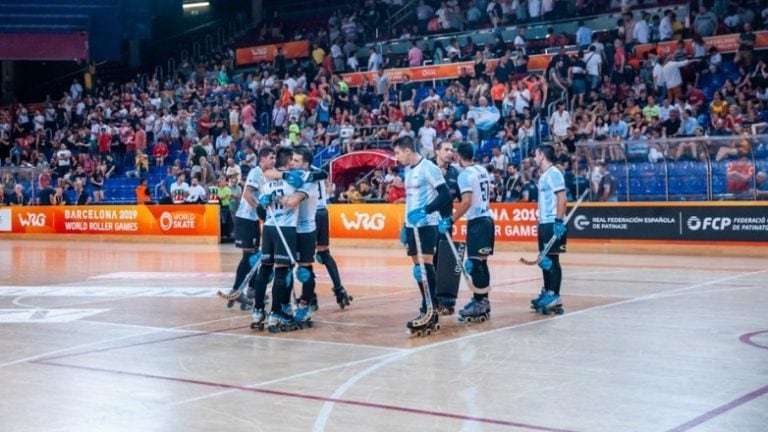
272, 250
305, 247
247, 233
546, 231
480, 237
428, 238
322, 223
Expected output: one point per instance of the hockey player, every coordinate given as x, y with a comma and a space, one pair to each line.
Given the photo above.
475, 186
247, 226
444, 262
279, 201
426, 193
324, 256
552, 201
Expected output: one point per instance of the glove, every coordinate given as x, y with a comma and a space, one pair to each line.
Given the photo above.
267, 199
294, 178
416, 216
445, 224
403, 236
559, 228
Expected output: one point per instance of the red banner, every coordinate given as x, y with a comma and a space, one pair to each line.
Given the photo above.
44, 46
725, 44
174, 220
291, 50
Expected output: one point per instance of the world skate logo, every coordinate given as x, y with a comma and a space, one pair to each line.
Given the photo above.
32, 219
364, 221
177, 220
166, 221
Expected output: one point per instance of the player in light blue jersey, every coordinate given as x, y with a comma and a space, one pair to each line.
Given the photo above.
552, 201
247, 226
475, 187
279, 202
425, 193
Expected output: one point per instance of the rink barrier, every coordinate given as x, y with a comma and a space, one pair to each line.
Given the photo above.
685, 223
199, 222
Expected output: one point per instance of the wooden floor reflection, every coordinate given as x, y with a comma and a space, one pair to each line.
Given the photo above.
131, 337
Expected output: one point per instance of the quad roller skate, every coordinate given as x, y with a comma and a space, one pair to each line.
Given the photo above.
550, 304
476, 311
257, 323
281, 321
313, 303
424, 325
446, 305
535, 301
342, 297
303, 316
245, 302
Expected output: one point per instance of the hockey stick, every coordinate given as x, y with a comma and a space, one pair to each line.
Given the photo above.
423, 270
464, 273
239, 291
553, 239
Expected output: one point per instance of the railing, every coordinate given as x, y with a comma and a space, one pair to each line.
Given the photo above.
28, 178
402, 14
679, 169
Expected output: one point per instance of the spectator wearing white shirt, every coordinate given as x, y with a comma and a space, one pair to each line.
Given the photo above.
659, 83
499, 159
583, 35
594, 63
374, 60
196, 194
223, 140
560, 121
641, 30
427, 135
672, 77
665, 27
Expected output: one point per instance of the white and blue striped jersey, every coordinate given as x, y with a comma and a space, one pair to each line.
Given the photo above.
421, 183
308, 208
277, 214
255, 180
476, 180
550, 183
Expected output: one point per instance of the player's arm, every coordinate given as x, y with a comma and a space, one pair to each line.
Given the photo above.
463, 207
562, 199
250, 196
293, 200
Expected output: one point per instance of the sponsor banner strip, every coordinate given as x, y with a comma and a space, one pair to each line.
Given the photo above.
185, 220
267, 53
518, 222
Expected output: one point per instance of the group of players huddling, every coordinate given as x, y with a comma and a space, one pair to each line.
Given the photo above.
289, 196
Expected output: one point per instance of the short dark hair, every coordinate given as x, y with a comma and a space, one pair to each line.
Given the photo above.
306, 153
283, 156
548, 152
266, 152
404, 142
466, 151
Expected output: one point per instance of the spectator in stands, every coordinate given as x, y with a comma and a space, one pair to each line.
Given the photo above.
528, 192
746, 47
97, 183
80, 194
606, 191
705, 23
560, 121
196, 193
142, 192
396, 191
18, 197
63, 160
739, 175
761, 186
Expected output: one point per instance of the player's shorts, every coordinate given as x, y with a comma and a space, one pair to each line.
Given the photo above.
546, 231
428, 238
480, 237
272, 248
305, 247
247, 233
322, 223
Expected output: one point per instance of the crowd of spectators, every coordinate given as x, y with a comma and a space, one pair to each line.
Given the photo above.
208, 121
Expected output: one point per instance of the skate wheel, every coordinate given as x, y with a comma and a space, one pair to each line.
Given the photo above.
342, 305
274, 329
419, 333
560, 311
230, 304
310, 324
437, 327
428, 332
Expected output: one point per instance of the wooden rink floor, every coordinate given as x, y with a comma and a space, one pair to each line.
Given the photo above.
131, 337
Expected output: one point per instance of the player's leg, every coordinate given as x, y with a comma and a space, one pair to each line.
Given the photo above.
428, 317
545, 231
246, 239
305, 274
281, 316
263, 277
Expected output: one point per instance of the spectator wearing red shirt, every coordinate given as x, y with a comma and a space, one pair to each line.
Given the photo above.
695, 96
140, 137
104, 140
396, 193
160, 152
739, 174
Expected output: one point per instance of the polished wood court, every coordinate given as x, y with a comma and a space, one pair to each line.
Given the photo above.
131, 337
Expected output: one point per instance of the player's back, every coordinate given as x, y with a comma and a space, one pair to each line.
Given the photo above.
550, 183
475, 179
308, 208
278, 214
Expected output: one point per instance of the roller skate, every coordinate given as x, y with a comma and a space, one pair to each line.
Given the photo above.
342, 297
303, 315
549, 304
245, 302
424, 325
446, 305
313, 303
475, 311
535, 301
281, 321
257, 323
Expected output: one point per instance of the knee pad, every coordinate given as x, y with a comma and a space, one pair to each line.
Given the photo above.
304, 274
417, 273
478, 270
322, 256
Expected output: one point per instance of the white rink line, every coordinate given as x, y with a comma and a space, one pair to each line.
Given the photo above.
106, 291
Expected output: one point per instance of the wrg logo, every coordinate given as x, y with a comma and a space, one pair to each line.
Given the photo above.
28, 219
364, 221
